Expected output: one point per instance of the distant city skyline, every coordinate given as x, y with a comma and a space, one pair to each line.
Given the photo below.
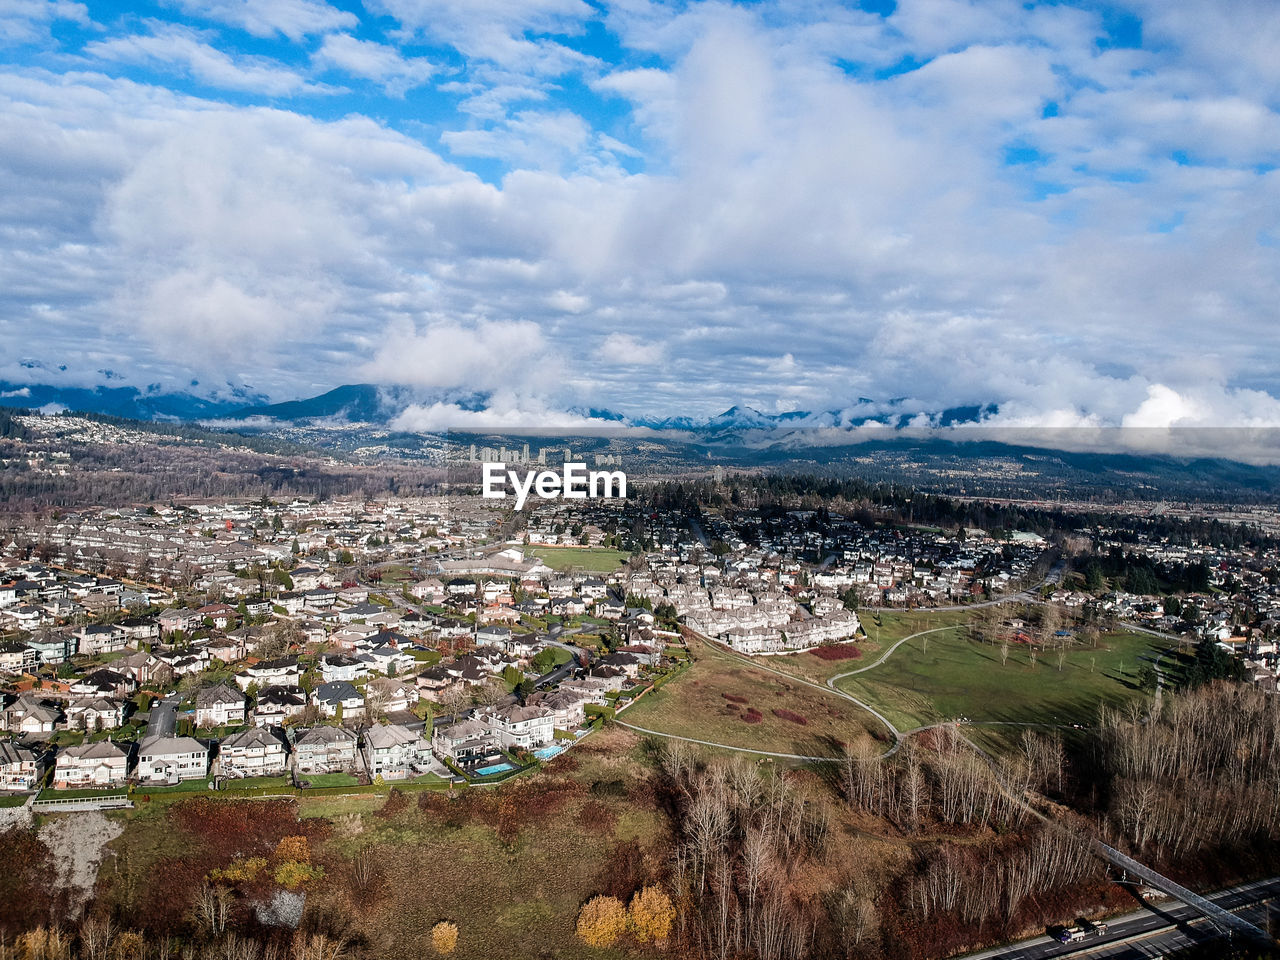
1071, 210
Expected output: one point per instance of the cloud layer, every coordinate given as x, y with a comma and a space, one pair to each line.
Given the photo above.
1067, 210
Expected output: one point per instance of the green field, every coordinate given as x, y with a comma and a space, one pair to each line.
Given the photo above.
945, 676
592, 559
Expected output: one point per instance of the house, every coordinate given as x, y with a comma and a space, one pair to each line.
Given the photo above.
95, 713
464, 742
329, 697
20, 767
219, 614
430, 590
220, 706
55, 648
175, 619
168, 760
527, 727
391, 695
256, 752
30, 716
277, 704
101, 638
144, 667
104, 683
393, 752
324, 750
388, 660
567, 709
436, 682
338, 666
17, 658
282, 670
102, 764
140, 628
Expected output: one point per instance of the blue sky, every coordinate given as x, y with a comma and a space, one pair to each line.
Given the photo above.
1069, 209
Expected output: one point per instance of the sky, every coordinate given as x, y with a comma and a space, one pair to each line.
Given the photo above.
1071, 210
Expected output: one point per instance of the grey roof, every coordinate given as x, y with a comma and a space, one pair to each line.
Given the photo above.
322, 736
170, 746
253, 737
219, 694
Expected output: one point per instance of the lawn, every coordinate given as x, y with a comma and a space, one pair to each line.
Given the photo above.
186, 786
330, 780
13, 799
723, 700
592, 559
256, 783
945, 676
48, 793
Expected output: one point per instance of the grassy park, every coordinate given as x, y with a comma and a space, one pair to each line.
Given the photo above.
590, 559
945, 675
723, 700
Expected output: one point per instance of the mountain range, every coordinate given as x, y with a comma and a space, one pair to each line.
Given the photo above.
377, 405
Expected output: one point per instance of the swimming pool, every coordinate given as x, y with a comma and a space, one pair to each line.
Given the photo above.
547, 752
493, 768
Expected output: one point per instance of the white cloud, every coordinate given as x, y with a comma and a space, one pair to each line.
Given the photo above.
26, 21
294, 19
169, 45
373, 61
488, 355
798, 234
625, 350
545, 140
499, 31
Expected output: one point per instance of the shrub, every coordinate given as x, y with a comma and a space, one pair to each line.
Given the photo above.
444, 937
734, 698
753, 716
792, 716
837, 651
291, 874
240, 870
650, 915
602, 921
293, 848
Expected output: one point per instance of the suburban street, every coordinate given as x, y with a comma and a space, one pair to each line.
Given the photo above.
1152, 931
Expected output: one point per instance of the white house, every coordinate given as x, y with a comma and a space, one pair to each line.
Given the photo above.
167, 760
521, 726
220, 706
102, 764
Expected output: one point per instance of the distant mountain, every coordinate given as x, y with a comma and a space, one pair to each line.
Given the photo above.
128, 402
356, 402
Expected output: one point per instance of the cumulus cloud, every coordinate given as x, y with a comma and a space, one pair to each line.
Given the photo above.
791, 207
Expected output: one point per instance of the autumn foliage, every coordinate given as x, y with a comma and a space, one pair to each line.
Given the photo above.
602, 921
444, 937
650, 915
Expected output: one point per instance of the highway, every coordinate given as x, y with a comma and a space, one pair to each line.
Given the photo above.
1153, 931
